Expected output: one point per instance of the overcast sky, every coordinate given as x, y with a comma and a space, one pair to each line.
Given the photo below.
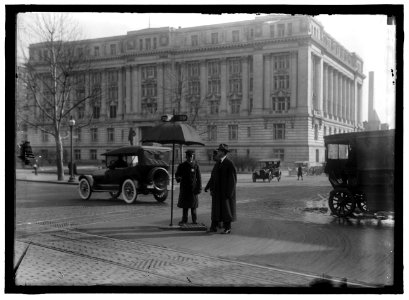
366, 35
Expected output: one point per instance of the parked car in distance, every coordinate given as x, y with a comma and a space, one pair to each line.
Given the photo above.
130, 171
269, 168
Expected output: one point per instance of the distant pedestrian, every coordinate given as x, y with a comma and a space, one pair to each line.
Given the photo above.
35, 167
299, 173
223, 185
188, 174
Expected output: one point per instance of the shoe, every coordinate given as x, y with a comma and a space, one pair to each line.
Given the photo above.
182, 223
211, 229
226, 231
195, 223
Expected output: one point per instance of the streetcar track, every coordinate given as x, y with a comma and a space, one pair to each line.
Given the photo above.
197, 267
107, 261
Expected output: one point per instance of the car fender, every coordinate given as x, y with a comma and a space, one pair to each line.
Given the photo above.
89, 178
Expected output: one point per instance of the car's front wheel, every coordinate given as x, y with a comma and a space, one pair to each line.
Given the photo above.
129, 191
84, 189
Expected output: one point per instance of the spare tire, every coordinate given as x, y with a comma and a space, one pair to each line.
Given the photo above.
160, 178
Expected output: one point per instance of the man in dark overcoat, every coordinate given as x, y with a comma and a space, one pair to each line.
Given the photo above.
189, 177
224, 189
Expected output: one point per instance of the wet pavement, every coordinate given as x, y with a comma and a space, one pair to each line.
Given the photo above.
277, 242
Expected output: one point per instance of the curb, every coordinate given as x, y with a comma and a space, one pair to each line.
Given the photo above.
47, 181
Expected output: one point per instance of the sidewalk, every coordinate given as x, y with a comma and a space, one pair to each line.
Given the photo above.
129, 248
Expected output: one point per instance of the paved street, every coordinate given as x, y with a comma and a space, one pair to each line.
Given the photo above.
284, 237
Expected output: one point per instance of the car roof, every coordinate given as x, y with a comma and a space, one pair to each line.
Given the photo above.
269, 159
134, 150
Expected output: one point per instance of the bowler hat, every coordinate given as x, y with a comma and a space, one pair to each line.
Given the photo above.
224, 148
189, 152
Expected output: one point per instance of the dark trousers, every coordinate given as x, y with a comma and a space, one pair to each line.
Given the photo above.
226, 225
185, 214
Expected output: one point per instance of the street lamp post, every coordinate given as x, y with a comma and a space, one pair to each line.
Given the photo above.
72, 178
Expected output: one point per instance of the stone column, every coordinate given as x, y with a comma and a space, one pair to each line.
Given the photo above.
160, 88
335, 93
339, 95
136, 90
104, 94
245, 84
183, 81
325, 89
293, 78
351, 101
137, 104
330, 90
120, 89
204, 107
258, 71
87, 93
304, 79
223, 87
359, 98
267, 80
128, 90
320, 83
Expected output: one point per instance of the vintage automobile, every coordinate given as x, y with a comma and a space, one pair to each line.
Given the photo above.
360, 168
269, 168
130, 171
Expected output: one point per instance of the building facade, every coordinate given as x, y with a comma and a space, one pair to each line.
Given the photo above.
271, 87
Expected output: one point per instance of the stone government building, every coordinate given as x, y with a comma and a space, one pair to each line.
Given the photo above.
268, 87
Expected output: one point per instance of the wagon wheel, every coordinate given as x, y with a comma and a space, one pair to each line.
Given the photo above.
254, 178
341, 203
361, 201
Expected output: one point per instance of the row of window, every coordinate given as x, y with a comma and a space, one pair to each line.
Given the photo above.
193, 70
279, 30
233, 130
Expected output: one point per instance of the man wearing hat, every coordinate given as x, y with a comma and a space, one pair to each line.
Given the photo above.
223, 185
189, 177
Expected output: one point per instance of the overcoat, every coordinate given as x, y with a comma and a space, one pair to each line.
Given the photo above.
223, 187
188, 174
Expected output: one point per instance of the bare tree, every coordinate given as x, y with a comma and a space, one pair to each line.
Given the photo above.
55, 74
183, 91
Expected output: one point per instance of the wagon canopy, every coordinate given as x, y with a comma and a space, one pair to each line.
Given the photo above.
372, 150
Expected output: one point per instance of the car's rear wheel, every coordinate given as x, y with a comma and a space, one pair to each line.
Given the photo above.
129, 191
161, 195
84, 189
254, 178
